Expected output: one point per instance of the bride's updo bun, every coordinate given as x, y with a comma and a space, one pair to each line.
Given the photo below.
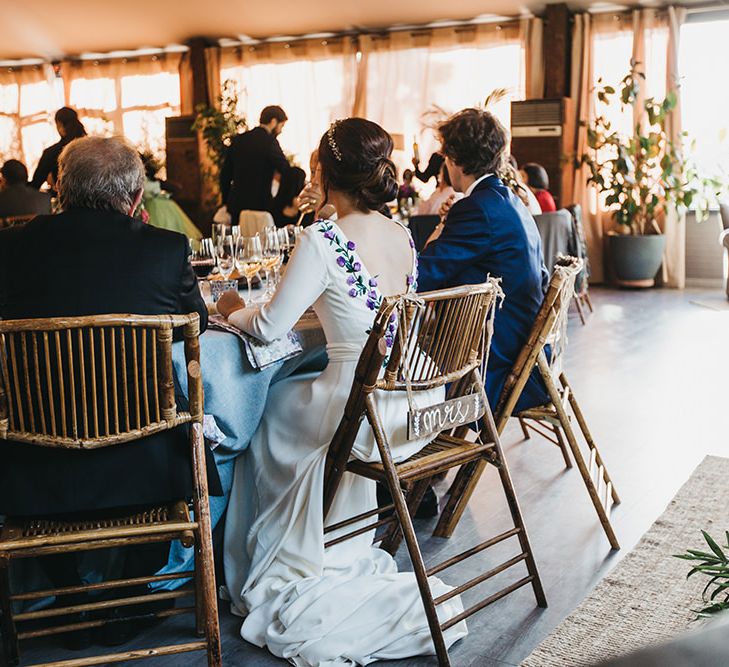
354, 155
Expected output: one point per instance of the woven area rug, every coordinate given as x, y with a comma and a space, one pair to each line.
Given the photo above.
646, 598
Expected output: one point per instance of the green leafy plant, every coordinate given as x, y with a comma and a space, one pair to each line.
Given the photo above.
714, 564
645, 173
218, 125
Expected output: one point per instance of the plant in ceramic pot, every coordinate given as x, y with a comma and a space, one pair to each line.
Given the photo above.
218, 125
643, 176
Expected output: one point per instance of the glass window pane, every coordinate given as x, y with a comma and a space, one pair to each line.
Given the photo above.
146, 129
37, 98
36, 138
705, 94
9, 98
8, 139
101, 127
151, 90
93, 94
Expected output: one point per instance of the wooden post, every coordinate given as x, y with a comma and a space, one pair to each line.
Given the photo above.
557, 60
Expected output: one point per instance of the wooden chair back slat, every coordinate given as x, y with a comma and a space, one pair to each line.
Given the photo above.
437, 340
90, 382
552, 312
94, 403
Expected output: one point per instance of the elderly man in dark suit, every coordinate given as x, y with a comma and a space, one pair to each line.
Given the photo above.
17, 197
489, 232
250, 163
95, 258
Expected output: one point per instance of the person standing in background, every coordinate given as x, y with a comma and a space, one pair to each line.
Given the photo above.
69, 128
250, 163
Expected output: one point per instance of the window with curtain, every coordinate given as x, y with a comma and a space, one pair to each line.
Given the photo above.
313, 81
704, 94
129, 98
410, 74
28, 99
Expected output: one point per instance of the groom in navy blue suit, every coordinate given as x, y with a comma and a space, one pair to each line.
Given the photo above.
489, 232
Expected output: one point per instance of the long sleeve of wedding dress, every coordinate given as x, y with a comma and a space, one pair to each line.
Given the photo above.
305, 279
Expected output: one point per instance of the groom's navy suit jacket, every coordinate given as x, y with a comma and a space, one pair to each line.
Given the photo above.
492, 233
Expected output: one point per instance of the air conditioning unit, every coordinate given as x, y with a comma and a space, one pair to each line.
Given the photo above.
542, 131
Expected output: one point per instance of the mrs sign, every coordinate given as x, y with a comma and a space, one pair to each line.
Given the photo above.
445, 416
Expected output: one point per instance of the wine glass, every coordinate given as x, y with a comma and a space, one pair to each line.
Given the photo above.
271, 257
226, 256
249, 256
219, 230
284, 240
203, 259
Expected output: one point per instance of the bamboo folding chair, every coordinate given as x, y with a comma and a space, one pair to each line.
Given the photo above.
549, 327
441, 338
83, 383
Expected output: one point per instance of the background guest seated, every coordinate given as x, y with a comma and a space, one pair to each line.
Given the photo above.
489, 232
535, 176
16, 196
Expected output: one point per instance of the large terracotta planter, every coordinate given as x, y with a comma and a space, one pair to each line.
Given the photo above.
636, 259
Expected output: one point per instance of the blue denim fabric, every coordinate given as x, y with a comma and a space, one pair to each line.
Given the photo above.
235, 394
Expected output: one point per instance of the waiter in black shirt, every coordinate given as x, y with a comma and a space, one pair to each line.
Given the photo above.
70, 128
250, 162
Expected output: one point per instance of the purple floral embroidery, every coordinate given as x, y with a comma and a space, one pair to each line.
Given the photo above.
373, 282
346, 259
412, 243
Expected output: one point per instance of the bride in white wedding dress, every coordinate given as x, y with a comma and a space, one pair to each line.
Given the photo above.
346, 604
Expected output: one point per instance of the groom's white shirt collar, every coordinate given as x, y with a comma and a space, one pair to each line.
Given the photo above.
473, 185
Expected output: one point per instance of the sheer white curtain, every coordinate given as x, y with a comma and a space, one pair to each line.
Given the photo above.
313, 80
28, 98
129, 96
409, 74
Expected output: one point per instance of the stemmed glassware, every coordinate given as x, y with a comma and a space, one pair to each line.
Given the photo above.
226, 256
203, 259
248, 257
271, 257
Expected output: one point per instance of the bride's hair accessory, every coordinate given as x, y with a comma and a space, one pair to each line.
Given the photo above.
333, 142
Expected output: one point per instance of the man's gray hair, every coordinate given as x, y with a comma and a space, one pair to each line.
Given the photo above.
99, 173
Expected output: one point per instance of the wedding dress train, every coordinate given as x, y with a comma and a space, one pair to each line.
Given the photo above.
346, 604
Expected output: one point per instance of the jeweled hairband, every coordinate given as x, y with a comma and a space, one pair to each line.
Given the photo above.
333, 142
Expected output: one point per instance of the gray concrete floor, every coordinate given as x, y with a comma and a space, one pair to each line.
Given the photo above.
650, 373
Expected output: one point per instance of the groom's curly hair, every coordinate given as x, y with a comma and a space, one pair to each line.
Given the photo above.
475, 140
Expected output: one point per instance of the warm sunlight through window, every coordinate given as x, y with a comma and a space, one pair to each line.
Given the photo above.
705, 92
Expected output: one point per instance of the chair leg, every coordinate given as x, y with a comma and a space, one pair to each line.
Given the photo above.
588, 301
594, 452
392, 541
562, 446
416, 558
11, 654
578, 304
576, 453
205, 566
460, 493
524, 429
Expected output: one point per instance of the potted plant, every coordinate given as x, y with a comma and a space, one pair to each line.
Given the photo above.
218, 125
642, 176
